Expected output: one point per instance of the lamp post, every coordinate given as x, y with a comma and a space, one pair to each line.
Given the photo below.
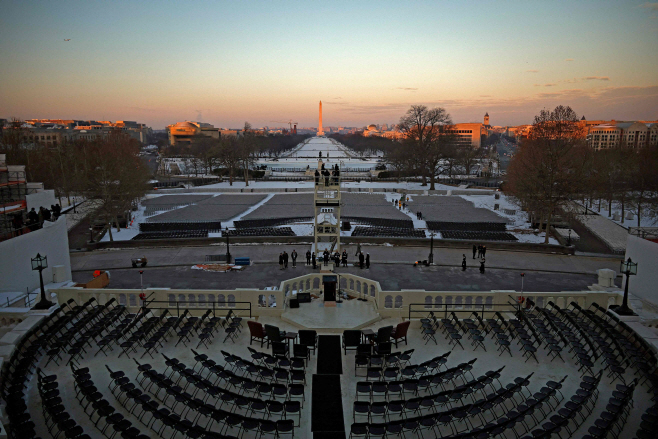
522, 277
228, 251
629, 268
91, 234
430, 259
569, 241
40, 263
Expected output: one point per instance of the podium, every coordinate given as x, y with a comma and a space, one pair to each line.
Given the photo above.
329, 283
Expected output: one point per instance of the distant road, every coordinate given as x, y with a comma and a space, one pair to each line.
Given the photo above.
152, 162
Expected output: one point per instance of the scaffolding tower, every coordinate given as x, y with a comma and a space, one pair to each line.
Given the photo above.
326, 223
13, 190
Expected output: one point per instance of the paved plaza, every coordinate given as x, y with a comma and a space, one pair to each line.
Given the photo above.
391, 266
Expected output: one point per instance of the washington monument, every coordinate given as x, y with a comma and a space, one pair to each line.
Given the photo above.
320, 132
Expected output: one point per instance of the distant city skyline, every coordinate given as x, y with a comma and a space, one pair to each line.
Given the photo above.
266, 62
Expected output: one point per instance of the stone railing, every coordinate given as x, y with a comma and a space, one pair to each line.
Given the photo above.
396, 303
243, 302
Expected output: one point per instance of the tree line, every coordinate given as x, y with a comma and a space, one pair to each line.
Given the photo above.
554, 167
107, 169
232, 155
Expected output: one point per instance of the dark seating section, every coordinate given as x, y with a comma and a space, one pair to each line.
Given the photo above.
208, 226
478, 236
388, 231
440, 226
261, 231
51, 336
172, 235
268, 222
380, 222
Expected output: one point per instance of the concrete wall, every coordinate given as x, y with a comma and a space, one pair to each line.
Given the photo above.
15, 267
645, 253
44, 198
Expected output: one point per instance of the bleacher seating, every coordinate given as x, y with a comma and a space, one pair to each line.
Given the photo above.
380, 222
208, 226
477, 235
441, 226
268, 222
172, 235
261, 231
388, 231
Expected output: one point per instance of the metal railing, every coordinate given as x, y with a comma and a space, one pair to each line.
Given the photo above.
170, 305
425, 308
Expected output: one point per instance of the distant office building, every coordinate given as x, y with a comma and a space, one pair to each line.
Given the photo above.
184, 132
472, 134
51, 131
612, 134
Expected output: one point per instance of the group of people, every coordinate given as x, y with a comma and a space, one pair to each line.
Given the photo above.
35, 219
464, 264
283, 259
481, 251
326, 174
419, 215
312, 260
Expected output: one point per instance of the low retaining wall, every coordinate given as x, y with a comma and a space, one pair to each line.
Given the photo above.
404, 242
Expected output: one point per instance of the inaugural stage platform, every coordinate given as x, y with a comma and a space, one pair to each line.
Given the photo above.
348, 314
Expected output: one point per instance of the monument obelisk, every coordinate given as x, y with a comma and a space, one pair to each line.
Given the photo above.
320, 132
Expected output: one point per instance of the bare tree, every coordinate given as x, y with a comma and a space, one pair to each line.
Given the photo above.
427, 135
548, 169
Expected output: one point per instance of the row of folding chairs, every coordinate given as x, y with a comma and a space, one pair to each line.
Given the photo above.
294, 372
57, 419
21, 366
579, 343
93, 403
430, 385
108, 318
85, 316
613, 419
201, 410
636, 349
426, 369
396, 365
149, 335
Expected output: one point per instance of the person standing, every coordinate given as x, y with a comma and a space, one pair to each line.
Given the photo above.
361, 260
368, 260
308, 257
315, 265
293, 255
344, 258
482, 265
58, 210
464, 263
32, 219
484, 251
280, 261
474, 250
285, 259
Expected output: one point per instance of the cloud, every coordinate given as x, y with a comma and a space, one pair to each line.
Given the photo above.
338, 97
569, 81
537, 85
569, 59
650, 6
532, 71
407, 88
596, 78
550, 85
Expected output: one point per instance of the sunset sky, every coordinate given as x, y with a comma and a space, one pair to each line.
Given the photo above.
160, 62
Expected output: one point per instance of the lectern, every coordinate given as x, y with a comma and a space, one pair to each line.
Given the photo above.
329, 283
